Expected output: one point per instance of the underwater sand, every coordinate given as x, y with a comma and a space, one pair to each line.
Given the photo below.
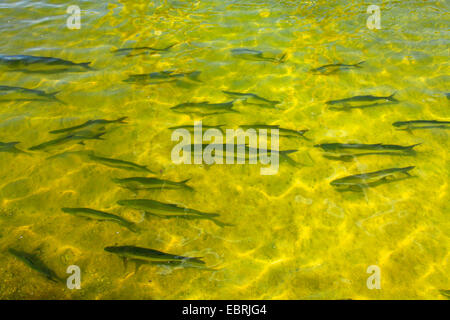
294, 235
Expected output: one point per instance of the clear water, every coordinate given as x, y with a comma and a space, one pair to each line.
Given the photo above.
294, 235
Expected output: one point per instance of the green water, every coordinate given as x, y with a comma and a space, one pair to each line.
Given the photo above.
294, 235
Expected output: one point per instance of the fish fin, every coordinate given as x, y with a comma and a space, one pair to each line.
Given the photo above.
125, 263
358, 65
138, 264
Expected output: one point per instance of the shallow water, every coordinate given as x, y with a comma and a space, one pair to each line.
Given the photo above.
294, 235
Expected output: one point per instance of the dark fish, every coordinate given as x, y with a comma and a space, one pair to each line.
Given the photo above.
361, 102
132, 52
244, 152
255, 55
79, 136
143, 255
162, 77
35, 64
191, 128
372, 179
332, 68
100, 215
36, 264
283, 132
445, 293
421, 124
167, 210
8, 93
204, 108
252, 99
348, 151
10, 147
144, 183
89, 123
118, 163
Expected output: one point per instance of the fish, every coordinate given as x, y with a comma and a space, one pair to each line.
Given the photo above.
282, 154
168, 210
364, 180
132, 52
252, 99
283, 132
10, 147
118, 163
145, 255
76, 136
89, 123
421, 124
35, 263
191, 128
37, 64
162, 77
100, 215
249, 153
8, 94
204, 108
348, 151
256, 55
333, 68
144, 183
362, 101
445, 293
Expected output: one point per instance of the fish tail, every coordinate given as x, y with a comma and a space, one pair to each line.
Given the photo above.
185, 181
86, 65
285, 152
132, 227
172, 45
358, 65
282, 59
221, 224
147, 169
413, 145
99, 136
194, 76
289, 160
52, 94
121, 120
391, 97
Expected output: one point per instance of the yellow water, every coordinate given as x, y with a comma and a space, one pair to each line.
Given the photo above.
295, 237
